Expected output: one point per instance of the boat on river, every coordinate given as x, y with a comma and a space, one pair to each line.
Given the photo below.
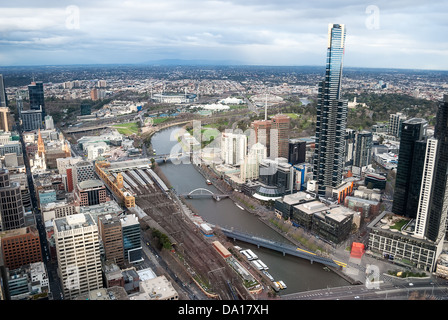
239, 206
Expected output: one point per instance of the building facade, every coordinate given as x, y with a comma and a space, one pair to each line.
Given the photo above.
78, 254
112, 238
11, 205
395, 122
363, 149
331, 119
20, 247
412, 131
31, 120
233, 148
37, 99
90, 193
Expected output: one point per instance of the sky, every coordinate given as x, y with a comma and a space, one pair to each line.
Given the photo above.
380, 34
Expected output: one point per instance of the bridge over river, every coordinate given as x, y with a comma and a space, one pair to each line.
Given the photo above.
281, 247
202, 192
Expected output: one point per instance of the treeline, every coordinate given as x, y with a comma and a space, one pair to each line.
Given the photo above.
380, 106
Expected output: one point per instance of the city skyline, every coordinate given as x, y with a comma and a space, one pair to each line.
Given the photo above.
381, 35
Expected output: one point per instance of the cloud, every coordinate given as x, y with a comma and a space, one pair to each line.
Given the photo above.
407, 33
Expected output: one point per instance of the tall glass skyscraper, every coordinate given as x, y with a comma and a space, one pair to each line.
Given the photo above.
410, 163
3, 98
433, 204
36, 94
331, 117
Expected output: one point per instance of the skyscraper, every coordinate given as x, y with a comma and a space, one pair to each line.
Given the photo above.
233, 148
363, 148
112, 237
3, 98
12, 214
433, 204
78, 254
280, 129
412, 131
331, 120
395, 121
262, 132
37, 99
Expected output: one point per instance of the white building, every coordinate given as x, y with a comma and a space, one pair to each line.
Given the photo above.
250, 168
233, 148
395, 121
78, 254
39, 277
49, 123
64, 163
96, 150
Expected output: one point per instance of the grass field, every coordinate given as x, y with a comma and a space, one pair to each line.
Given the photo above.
127, 128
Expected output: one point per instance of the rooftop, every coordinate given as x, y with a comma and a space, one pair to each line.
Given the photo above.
89, 184
73, 222
297, 197
311, 207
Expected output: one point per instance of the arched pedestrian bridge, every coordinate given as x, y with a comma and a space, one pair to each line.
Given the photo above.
203, 193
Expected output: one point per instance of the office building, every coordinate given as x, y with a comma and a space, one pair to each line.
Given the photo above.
329, 155
277, 173
90, 192
395, 122
363, 149
20, 247
112, 238
262, 132
433, 203
11, 206
280, 136
82, 171
78, 254
29, 282
3, 97
274, 135
409, 160
297, 151
32, 120
37, 99
131, 238
420, 241
66, 168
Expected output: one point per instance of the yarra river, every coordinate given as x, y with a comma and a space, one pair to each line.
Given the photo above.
298, 274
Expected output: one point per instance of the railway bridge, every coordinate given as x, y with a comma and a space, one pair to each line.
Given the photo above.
281, 247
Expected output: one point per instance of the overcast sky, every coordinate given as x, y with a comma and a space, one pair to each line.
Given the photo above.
393, 33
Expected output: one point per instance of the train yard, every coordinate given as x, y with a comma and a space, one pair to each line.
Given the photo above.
191, 248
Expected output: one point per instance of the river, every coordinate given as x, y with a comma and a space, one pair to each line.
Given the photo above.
298, 274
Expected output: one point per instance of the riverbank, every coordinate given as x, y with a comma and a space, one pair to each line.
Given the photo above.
266, 216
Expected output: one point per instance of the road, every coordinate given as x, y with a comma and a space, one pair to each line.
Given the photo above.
391, 289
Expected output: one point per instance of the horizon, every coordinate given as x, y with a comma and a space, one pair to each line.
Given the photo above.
389, 34
210, 64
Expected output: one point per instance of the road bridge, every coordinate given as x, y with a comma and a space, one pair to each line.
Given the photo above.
280, 247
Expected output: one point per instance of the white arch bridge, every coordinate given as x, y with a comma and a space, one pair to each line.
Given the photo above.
203, 193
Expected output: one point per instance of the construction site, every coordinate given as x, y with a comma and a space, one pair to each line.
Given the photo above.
196, 254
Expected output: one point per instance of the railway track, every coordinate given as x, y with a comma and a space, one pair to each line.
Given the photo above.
201, 258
